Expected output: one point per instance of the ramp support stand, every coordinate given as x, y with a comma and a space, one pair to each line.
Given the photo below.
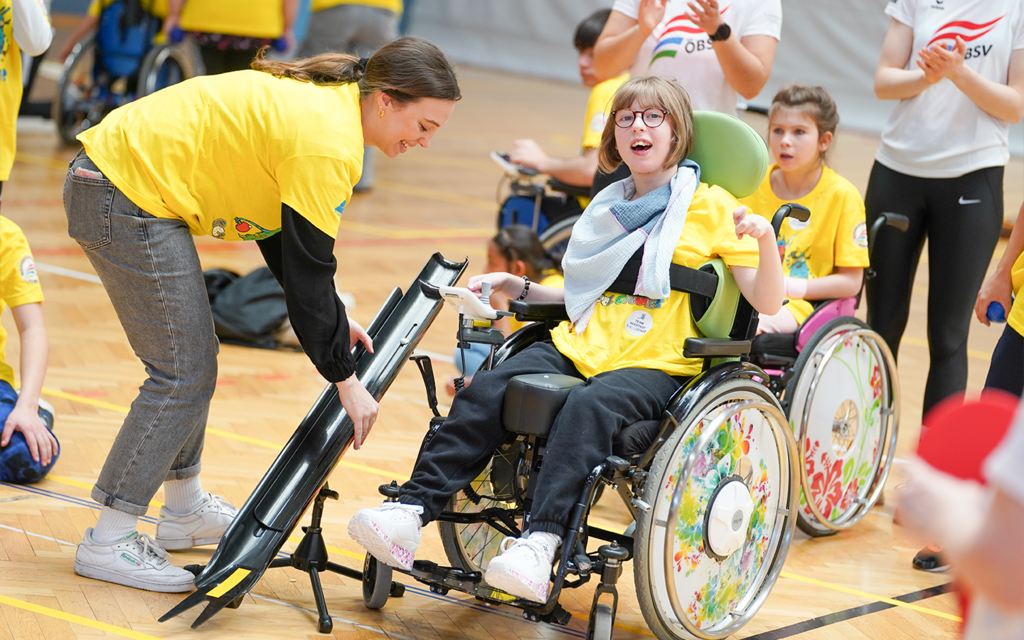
311, 557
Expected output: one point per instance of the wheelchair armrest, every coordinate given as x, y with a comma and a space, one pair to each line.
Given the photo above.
714, 347
543, 311
571, 189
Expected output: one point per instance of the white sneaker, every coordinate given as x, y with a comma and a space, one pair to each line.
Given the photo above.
523, 568
133, 561
203, 525
390, 532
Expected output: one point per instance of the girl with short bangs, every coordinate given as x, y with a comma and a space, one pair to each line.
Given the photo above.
628, 348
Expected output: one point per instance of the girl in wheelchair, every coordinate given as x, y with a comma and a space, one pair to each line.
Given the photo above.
824, 258
628, 349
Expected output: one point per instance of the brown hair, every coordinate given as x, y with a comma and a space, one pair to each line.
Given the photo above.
407, 69
520, 242
813, 101
650, 91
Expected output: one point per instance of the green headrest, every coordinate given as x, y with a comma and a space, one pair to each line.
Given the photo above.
714, 319
730, 153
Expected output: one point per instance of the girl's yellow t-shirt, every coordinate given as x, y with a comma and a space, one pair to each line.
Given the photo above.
1016, 316
632, 331
835, 236
223, 152
19, 281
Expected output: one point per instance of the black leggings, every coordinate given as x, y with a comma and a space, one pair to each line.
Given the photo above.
1006, 372
961, 218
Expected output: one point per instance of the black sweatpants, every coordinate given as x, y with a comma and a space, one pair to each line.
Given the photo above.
580, 439
1006, 372
961, 218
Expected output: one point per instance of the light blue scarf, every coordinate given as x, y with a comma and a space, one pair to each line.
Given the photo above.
612, 229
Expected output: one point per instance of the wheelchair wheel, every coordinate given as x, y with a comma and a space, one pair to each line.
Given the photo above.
843, 405
376, 583
165, 65
78, 104
471, 547
601, 623
556, 237
722, 490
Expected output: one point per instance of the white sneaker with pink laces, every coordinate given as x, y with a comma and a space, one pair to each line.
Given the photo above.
524, 567
390, 532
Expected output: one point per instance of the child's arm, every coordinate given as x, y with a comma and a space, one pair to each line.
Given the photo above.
85, 26
31, 27
578, 170
511, 287
998, 287
762, 287
844, 284
35, 350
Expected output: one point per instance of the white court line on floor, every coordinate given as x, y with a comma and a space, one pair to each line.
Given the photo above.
70, 273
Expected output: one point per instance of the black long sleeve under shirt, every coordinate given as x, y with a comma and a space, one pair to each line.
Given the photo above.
301, 257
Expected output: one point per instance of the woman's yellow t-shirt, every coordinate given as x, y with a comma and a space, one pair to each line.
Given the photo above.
631, 331
253, 18
223, 152
10, 91
19, 281
835, 236
157, 7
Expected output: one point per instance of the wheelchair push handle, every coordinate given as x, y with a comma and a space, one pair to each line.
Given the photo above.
793, 211
898, 221
512, 169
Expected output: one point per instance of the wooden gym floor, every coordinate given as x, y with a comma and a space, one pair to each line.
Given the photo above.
857, 584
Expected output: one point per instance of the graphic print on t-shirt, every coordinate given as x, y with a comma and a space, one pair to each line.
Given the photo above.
249, 230
672, 39
965, 29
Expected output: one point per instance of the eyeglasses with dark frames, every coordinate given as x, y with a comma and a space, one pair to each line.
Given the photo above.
652, 117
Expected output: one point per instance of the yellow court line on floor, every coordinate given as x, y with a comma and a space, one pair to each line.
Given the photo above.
863, 594
70, 617
88, 487
224, 434
40, 161
971, 353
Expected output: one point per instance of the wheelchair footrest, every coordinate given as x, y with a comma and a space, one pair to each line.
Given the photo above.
442, 579
714, 348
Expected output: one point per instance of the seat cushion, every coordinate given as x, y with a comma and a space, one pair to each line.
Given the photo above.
532, 401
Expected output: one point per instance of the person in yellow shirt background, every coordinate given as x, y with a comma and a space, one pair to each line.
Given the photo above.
24, 29
578, 170
230, 32
825, 258
92, 19
270, 155
1003, 290
358, 27
28, 448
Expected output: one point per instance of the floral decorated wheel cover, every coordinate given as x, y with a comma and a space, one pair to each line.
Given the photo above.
837, 416
711, 592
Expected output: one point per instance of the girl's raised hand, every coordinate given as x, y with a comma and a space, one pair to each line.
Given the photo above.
752, 225
650, 14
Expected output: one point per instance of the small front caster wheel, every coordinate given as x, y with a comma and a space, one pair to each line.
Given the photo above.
377, 585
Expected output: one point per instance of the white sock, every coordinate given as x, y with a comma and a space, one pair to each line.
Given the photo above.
183, 496
549, 541
114, 525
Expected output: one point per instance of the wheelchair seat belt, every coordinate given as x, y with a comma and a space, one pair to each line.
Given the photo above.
685, 279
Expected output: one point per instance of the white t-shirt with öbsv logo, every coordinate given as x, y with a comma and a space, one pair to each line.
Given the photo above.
940, 133
680, 49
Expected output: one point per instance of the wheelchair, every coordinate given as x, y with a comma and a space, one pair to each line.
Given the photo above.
116, 64
836, 380
712, 484
549, 206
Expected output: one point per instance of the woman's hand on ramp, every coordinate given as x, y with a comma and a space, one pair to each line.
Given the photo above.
356, 333
359, 405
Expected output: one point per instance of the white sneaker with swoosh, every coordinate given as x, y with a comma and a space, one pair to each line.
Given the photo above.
962, 201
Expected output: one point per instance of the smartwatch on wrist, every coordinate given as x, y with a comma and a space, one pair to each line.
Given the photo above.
722, 33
